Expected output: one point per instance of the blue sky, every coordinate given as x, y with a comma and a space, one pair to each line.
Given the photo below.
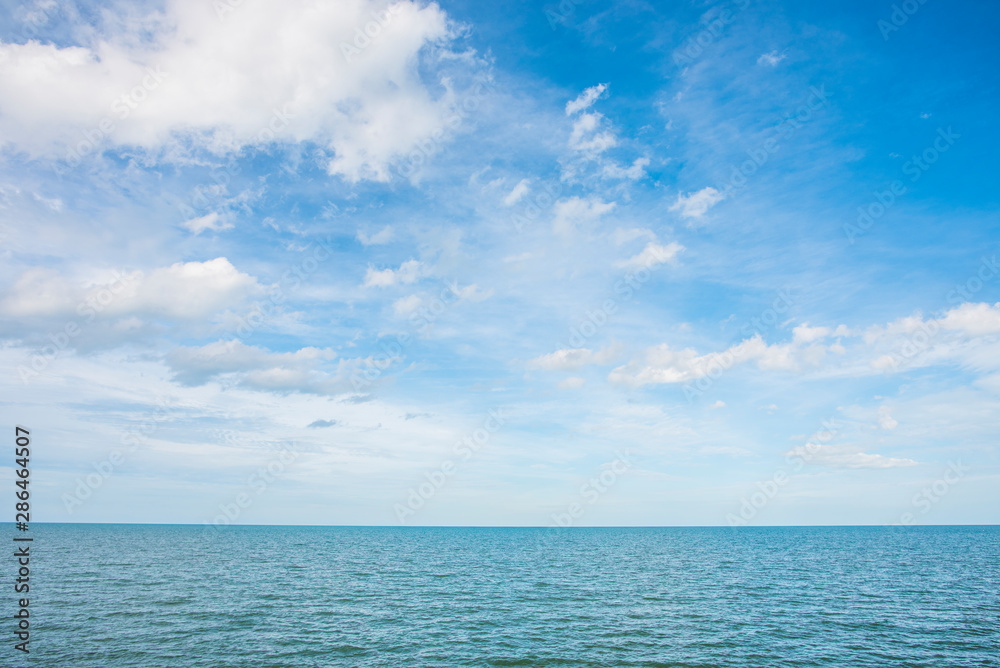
598, 263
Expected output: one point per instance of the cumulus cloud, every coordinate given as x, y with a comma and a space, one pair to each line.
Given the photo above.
226, 84
192, 289
184, 291
973, 319
585, 99
407, 273
697, 204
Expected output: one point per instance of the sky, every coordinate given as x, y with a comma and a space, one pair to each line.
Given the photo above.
537, 264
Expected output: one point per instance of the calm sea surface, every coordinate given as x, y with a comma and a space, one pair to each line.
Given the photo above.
152, 596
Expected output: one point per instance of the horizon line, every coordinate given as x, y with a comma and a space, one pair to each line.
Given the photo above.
525, 526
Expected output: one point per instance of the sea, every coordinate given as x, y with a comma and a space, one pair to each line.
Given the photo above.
158, 596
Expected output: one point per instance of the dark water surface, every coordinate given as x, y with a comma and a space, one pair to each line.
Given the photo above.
155, 596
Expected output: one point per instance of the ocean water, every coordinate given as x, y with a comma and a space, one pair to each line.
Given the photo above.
154, 596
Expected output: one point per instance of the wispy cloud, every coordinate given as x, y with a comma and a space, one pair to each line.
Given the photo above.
517, 194
407, 273
697, 204
771, 59
586, 99
570, 359
383, 236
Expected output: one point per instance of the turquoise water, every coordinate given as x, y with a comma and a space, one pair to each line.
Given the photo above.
155, 596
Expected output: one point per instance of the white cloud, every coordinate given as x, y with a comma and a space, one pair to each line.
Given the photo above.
198, 363
633, 173
836, 456
569, 213
973, 319
596, 142
407, 273
915, 341
185, 291
895, 330
211, 221
255, 368
652, 255
383, 236
569, 359
471, 292
407, 306
697, 204
192, 289
585, 99
51, 203
884, 363
771, 59
515, 195
886, 421
718, 404
961, 336
571, 383
662, 365
225, 84
806, 334
41, 292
